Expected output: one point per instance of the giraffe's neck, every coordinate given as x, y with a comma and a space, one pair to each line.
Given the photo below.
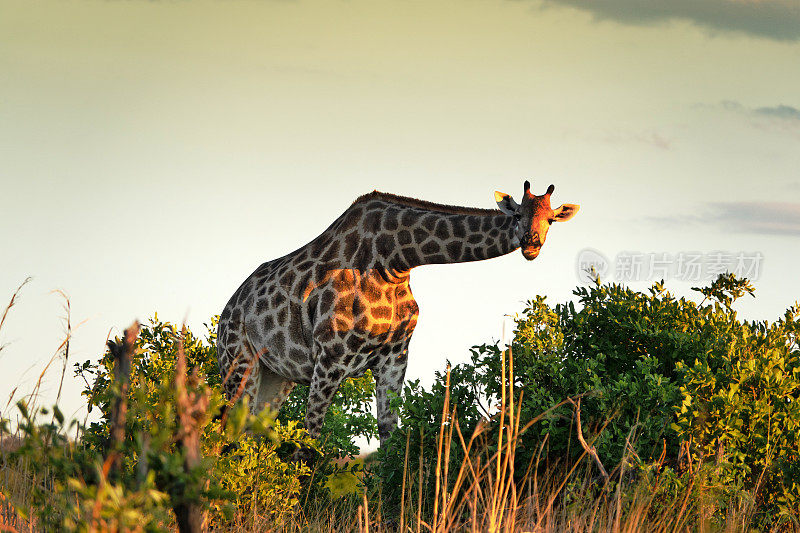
402, 236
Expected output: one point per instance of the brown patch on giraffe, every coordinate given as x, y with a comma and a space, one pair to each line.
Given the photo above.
459, 228
279, 341
390, 219
442, 230
332, 251
282, 316
328, 299
350, 221
351, 242
363, 325
411, 256
384, 245
296, 333
318, 245
344, 305
379, 329
372, 221
358, 308
371, 290
404, 237
430, 247
454, 249
324, 332
381, 312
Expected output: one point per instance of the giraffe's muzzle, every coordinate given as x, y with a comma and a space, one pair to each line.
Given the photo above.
531, 246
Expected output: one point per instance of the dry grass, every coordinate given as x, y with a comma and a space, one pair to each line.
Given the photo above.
486, 497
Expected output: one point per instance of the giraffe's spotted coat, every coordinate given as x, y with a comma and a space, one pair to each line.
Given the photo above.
342, 304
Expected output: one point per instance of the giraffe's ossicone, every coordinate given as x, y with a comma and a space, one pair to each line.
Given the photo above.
342, 304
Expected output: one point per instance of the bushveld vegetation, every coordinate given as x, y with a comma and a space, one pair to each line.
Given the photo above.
621, 411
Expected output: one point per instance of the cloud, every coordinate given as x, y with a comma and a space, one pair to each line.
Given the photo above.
619, 136
785, 112
764, 218
782, 118
772, 218
652, 138
773, 19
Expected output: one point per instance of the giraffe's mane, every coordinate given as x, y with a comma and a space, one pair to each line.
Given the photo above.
424, 204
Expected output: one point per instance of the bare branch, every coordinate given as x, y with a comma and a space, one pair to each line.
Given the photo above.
192, 408
11, 304
123, 354
591, 450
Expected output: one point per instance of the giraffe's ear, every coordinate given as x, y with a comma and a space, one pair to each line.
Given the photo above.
506, 204
565, 212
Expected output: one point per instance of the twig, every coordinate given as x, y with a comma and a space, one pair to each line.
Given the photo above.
68, 319
11, 303
591, 450
123, 354
192, 407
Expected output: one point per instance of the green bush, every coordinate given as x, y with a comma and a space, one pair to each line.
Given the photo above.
740, 411
246, 473
241, 469
658, 375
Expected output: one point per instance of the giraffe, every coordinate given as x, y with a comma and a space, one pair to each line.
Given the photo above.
342, 303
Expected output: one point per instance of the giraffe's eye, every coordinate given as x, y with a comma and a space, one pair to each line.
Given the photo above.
517, 216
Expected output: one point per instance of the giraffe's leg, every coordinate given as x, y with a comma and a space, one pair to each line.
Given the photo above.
241, 374
324, 384
389, 377
328, 375
272, 389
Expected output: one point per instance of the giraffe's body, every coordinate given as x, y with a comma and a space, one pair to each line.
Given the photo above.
342, 304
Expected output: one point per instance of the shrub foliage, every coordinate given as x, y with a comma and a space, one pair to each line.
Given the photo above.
246, 471
668, 386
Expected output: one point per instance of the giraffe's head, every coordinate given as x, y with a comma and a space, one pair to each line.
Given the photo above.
533, 217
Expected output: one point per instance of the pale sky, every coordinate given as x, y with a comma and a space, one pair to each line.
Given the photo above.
152, 154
